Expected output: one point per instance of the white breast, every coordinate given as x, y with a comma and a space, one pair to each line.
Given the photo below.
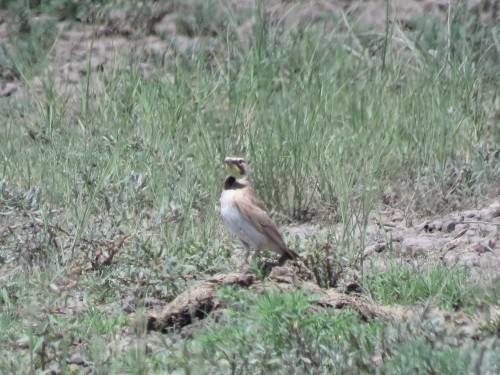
237, 223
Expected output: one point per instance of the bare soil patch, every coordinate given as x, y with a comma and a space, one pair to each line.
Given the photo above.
468, 238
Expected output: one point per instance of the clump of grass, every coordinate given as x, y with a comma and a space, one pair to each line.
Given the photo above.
29, 43
439, 286
201, 18
274, 332
279, 333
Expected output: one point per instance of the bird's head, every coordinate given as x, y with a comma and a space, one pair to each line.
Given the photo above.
236, 167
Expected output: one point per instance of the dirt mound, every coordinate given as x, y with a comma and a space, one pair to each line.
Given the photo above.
201, 299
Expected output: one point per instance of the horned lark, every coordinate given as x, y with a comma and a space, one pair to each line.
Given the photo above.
246, 216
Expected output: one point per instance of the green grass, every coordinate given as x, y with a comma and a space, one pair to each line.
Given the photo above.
402, 284
129, 163
277, 333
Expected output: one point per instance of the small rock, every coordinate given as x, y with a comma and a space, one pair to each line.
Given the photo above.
76, 359
480, 248
166, 26
353, 288
449, 226
421, 245
398, 216
375, 248
9, 89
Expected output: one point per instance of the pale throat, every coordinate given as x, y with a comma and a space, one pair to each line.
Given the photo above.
233, 170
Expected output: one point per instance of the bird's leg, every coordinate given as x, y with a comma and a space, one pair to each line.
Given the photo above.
245, 267
247, 250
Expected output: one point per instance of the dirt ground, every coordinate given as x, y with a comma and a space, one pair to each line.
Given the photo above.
468, 239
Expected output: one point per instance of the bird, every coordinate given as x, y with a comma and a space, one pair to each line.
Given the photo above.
246, 216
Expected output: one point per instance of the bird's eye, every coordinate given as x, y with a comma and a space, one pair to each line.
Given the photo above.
240, 161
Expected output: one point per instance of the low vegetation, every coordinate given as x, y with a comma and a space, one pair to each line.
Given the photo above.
110, 184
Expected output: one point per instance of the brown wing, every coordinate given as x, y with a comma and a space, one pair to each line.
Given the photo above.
254, 210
